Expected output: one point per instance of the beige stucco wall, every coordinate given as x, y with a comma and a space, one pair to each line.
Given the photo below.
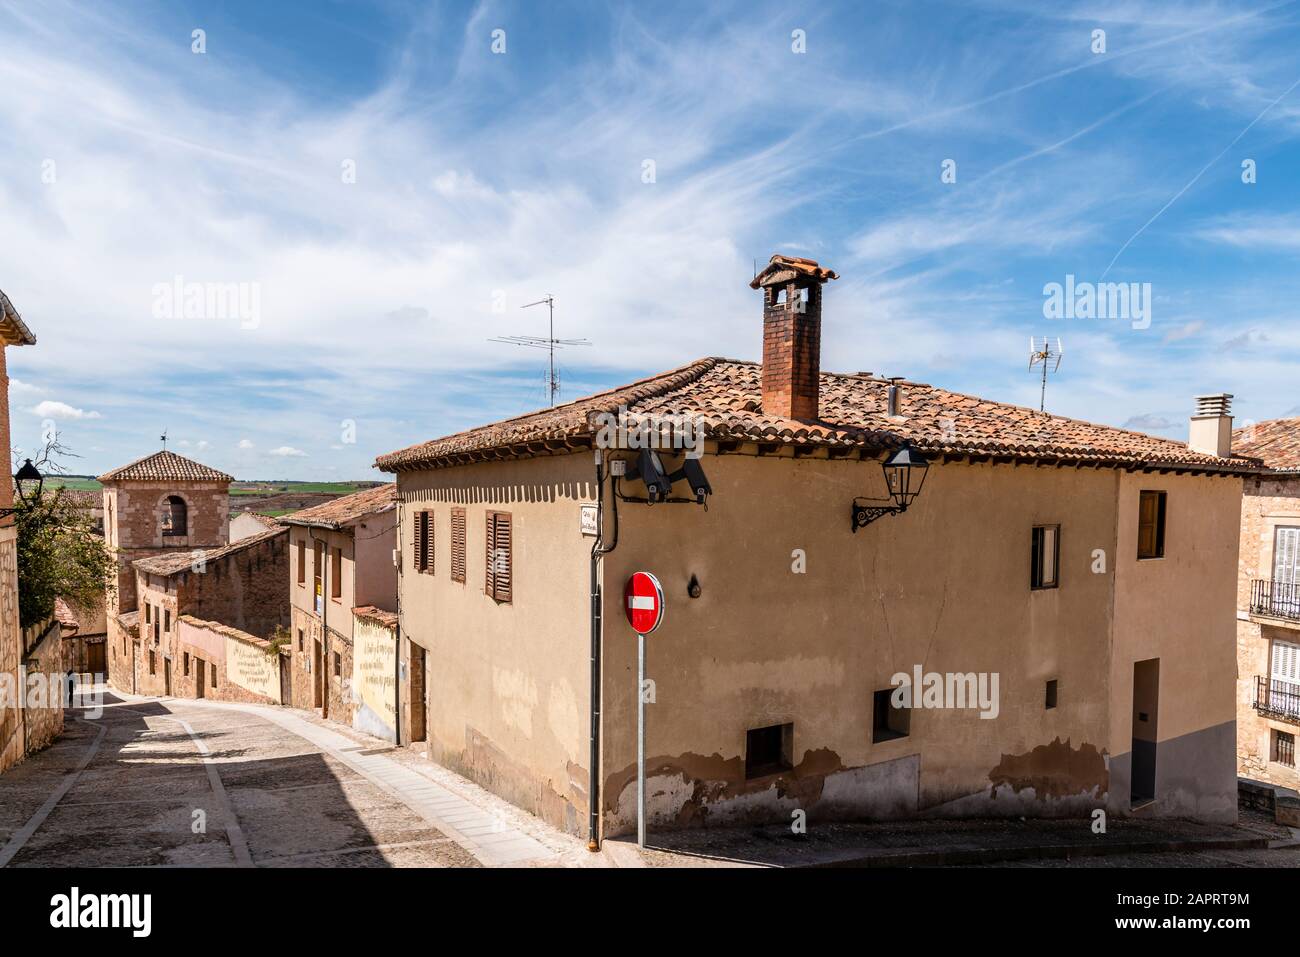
374, 678
945, 586
507, 683
1182, 610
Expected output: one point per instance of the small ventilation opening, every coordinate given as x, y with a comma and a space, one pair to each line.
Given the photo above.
769, 750
889, 722
1051, 694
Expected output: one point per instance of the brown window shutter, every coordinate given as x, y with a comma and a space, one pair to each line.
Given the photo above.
430, 527
458, 545
489, 585
505, 558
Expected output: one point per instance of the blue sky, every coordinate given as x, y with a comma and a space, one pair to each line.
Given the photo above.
486, 180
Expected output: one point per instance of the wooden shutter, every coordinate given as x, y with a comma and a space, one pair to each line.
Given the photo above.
1286, 555
504, 571
489, 585
423, 543
458, 545
1286, 662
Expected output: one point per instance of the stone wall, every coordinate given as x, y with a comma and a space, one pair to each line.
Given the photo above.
43, 719
236, 666
11, 731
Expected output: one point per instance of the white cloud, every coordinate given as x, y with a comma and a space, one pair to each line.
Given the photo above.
50, 409
245, 443
24, 388
288, 451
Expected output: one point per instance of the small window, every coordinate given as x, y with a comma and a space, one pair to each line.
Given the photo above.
147, 610
213, 672
153, 665
336, 573
1045, 557
458, 545
1051, 694
424, 542
889, 722
1151, 525
302, 562
185, 664
500, 559
1284, 748
167, 619
338, 665
769, 750
301, 644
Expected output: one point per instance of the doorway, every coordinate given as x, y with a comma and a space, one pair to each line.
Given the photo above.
317, 674
200, 677
1146, 703
419, 717
95, 659
167, 677
286, 681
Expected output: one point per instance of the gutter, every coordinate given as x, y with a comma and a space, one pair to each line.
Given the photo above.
598, 551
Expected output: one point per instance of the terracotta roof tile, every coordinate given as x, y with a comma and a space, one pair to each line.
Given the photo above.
13, 331
378, 615
1275, 442
784, 268
165, 467
347, 509
182, 561
725, 397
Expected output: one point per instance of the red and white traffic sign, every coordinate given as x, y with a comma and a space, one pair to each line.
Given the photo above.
643, 601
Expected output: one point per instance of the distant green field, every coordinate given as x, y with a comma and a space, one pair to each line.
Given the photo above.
78, 483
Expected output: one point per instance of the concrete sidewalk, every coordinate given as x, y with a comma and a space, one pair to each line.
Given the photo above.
933, 843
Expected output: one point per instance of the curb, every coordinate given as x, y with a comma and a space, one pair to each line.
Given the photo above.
973, 854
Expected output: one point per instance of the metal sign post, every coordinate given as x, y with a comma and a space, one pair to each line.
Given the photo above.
643, 600
640, 740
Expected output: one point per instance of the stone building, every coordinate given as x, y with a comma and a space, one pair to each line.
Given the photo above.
162, 504
248, 523
241, 587
36, 650
344, 591
1061, 594
1268, 606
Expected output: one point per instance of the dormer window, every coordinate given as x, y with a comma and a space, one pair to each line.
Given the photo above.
175, 522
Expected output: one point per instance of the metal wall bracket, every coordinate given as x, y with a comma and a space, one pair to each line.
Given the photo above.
864, 515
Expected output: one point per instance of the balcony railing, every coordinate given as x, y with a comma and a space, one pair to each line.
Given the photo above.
1275, 599
1277, 699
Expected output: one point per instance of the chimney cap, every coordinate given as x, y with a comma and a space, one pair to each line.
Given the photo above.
1218, 403
783, 269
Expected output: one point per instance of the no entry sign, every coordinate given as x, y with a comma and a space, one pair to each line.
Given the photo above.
643, 601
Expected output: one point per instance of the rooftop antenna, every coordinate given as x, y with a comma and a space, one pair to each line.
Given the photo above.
164, 439
549, 343
1049, 360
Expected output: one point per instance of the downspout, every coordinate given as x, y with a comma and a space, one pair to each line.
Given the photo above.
598, 551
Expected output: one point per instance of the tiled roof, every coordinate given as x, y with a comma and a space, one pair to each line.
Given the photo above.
183, 561
13, 331
165, 467
266, 521
67, 618
346, 510
378, 615
784, 268
725, 397
1276, 443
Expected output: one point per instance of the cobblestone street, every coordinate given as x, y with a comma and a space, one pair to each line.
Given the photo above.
168, 782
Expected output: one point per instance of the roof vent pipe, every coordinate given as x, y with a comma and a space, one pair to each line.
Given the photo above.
892, 400
1211, 427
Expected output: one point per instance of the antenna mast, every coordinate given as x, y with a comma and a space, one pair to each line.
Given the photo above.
1049, 360
549, 343
164, 439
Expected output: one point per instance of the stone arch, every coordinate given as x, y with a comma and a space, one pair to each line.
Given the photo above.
174, 516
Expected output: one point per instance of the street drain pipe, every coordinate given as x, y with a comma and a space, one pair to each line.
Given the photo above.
598, 551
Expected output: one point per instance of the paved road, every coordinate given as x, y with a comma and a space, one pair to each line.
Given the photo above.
159, 782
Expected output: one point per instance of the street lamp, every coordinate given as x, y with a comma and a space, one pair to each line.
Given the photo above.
28, 473
905, 473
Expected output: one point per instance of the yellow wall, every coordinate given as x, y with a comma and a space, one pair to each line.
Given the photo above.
374, 678
250, 667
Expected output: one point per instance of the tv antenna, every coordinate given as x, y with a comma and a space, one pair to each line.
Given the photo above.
1049, 360
164, 439
548, 342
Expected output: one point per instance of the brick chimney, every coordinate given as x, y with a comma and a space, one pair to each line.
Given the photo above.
792, 335
1211, 427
